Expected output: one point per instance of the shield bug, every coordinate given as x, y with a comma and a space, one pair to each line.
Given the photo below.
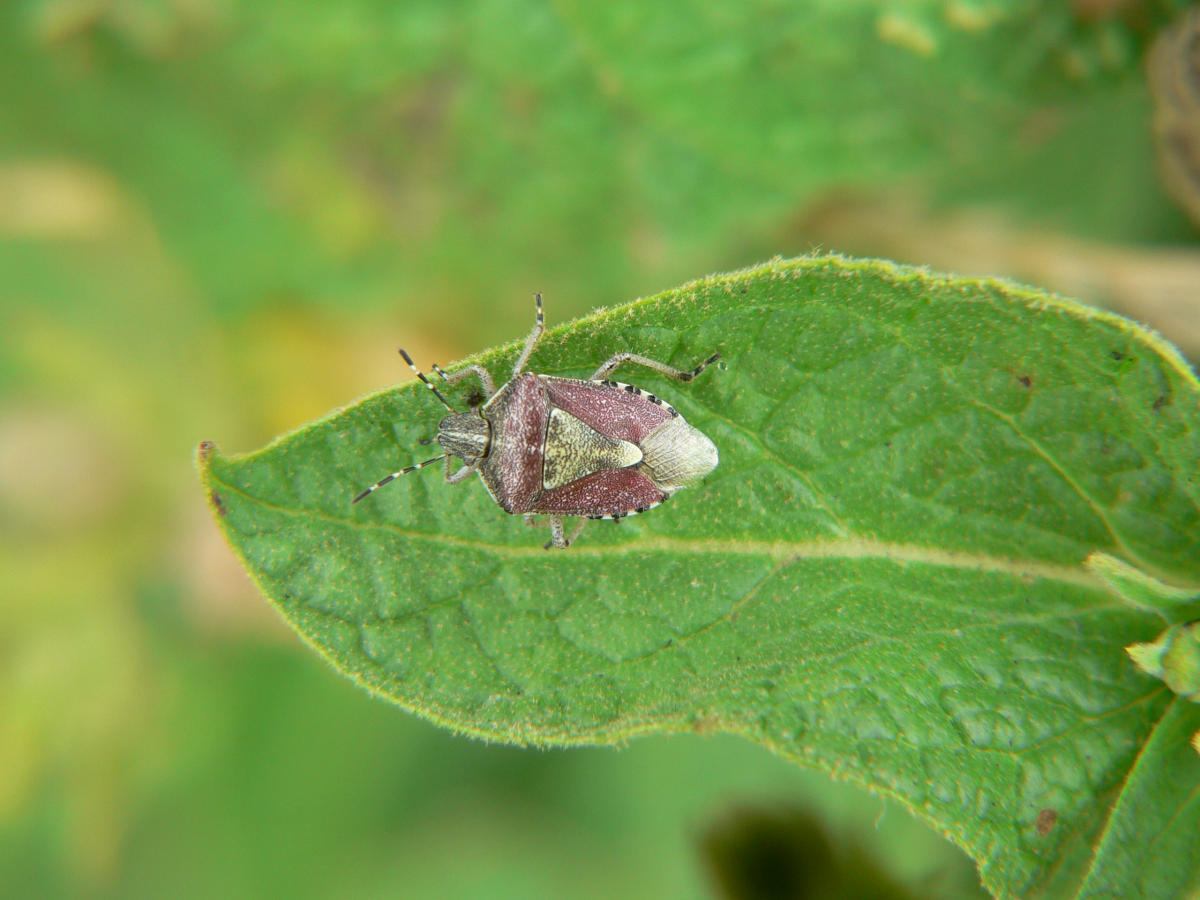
564, 447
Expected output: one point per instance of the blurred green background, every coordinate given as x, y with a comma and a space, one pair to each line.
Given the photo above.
217, 221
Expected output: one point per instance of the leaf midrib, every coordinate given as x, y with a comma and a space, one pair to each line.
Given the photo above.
781, 551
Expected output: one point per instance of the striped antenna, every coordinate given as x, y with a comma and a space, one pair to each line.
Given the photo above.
428, 383
382, 481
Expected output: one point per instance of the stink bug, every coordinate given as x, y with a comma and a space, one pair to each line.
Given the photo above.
551, 446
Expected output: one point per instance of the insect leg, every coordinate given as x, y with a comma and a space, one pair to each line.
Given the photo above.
484, 376
678, 374
576, 531
460, 475
556, 534
534, 336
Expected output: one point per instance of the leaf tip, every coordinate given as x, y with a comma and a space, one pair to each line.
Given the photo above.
1147, 657
205, 451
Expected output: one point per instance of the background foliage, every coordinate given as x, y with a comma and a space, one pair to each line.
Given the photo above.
217, 219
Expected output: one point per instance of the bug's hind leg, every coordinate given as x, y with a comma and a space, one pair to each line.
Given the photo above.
534, 336
576, 531
557, 535
678, 374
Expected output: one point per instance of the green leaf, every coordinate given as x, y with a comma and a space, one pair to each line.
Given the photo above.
1136, 587
884, 578
1174, 656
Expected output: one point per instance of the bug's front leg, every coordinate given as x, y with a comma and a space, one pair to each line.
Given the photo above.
484, 376
461, 475
678, 374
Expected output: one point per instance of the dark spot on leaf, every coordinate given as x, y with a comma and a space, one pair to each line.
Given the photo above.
1160, 401
1117, 355
217, 504
475, 399
1026, 381
1045, 821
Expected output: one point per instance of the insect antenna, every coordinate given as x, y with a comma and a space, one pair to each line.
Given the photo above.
382, 481
428, 383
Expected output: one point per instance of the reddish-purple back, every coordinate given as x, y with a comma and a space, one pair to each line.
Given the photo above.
610, 492
520, 413
610, 410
